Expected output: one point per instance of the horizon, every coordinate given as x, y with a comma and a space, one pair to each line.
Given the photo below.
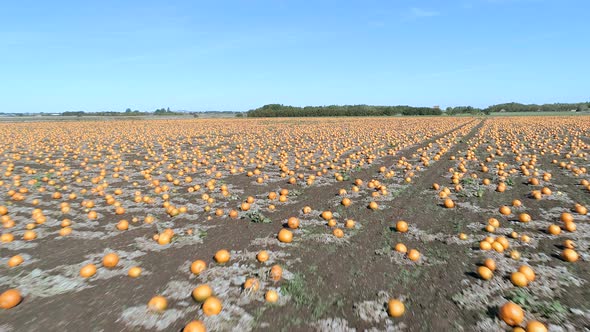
237, 56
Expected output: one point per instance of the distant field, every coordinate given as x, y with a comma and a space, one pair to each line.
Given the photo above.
112, 118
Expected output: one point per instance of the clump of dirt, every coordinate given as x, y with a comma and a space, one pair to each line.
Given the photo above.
478, 295
373, 311
40, 283
332, 324
140, 316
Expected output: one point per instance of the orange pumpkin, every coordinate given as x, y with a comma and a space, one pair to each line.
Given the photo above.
535, 326
110, 260
202, 292
212, 306
285, 236
401, 226
395, 308
222, 256
195, 326
569, 255
519, 279
276, 272
271, 296
10, 299
15, 260
157, 304
134, 272
88, 271
414, 255
293, 223
485, 273
262, 256
198, 266
511, 313
339, 233
449, 204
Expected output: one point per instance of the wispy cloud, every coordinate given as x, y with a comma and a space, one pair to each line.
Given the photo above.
416, 12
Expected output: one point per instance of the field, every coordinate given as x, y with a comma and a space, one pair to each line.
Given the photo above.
302, 224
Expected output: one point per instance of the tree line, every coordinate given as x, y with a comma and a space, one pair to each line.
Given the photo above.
128, 112
279, 110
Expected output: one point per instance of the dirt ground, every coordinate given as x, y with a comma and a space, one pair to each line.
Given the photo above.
328, 283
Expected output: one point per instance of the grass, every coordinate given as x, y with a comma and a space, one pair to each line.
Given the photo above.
297, 289
304, 296
405, 277
552, 310
258, 217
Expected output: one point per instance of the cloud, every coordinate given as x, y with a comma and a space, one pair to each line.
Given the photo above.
416, 12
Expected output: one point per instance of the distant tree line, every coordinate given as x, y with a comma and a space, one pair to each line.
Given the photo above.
465, 110
557, 107
279, 110
128, 112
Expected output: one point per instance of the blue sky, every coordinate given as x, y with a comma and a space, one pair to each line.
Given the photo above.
236, 55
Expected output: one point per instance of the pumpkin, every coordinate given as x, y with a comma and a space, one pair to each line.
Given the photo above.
276, 272
569, 226
569, 255
198, 266
262, 256
29, 235
15, 260
251, 284
414, 255
401, 226
134, 272
222, 256
400, 247
271, 296
505, 210
535, 326
524, 217
566, 217
519, 279
10, 299
395, 308
293, 223
449, 204
123, 225
349, 223
110, 260
212, 306
339, 233
511, 313
202, 292
195, 326
485, 273
285, 236
554, 229
157, 304
490, 264
88, 271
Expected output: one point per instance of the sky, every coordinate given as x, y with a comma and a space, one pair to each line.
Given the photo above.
220, 55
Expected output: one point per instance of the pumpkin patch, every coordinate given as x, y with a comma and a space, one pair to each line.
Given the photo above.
296, 224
